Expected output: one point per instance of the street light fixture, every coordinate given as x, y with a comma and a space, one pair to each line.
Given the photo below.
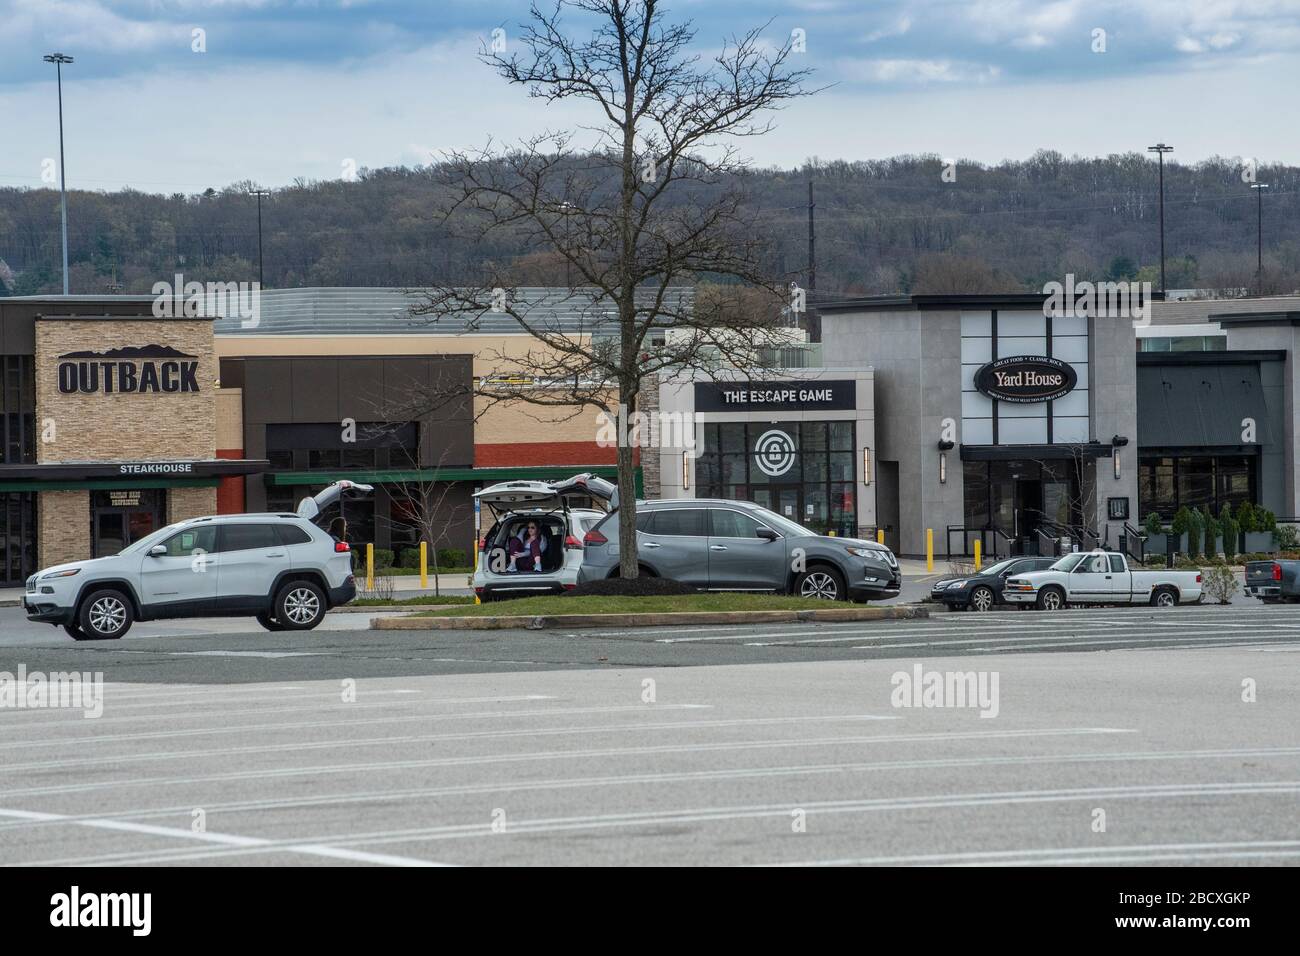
566, 208
259, 193
1160, 149
1259, 236
58, 59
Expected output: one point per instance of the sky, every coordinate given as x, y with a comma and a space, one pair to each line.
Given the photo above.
181, 95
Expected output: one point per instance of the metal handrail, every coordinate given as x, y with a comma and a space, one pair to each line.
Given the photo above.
1132, 534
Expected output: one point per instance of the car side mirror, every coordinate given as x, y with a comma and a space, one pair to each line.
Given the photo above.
767, 534
158, 550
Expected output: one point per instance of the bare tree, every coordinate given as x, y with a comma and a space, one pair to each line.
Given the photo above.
652, 204
424, 504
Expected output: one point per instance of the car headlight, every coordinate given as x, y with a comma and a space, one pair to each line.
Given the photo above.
61, 574
871, 554
957, 584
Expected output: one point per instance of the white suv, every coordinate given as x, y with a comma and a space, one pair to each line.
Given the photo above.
280, 568
535, 544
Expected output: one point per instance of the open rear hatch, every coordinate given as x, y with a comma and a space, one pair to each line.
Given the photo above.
508, 496
315, 506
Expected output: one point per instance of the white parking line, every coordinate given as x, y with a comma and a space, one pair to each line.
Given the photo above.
534, 756
737, 813
1090, 854
225, 839
388, 794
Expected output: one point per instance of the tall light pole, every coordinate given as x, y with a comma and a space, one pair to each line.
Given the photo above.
259, 193
566, 208
1160, 149
58, 59
1259, 236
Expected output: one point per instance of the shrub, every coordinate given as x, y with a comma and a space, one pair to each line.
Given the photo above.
410, 558
1182, 522
451, 558
1247, 519
1196, 543
1153, 525
1230, 532
383, 585
383, 558
1220, 583
1212, 529
1286, 536
1266, 520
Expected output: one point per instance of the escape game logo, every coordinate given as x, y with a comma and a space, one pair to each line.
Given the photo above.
145, 368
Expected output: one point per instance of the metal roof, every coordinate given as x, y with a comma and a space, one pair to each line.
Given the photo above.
385, 311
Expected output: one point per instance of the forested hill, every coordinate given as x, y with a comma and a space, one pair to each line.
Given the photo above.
892, 225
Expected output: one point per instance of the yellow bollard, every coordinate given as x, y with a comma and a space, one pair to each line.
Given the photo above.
370, 566
929, 549
880, 535
424, 564
977, 555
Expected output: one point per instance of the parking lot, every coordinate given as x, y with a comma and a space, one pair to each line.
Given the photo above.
763, 745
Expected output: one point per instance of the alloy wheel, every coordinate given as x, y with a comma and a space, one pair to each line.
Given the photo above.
107, 615
982, 599
301, 606
819, 584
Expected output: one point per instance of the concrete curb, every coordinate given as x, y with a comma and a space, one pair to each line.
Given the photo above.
386, 608
541, 622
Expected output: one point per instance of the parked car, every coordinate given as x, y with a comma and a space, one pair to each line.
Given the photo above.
720, 545
982, 590
282, 569
1101, 577
1273, 581
506, 566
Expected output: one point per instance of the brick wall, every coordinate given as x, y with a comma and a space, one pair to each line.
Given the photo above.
133, 426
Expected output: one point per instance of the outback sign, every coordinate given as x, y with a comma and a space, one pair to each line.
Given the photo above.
1026, 379
147, 368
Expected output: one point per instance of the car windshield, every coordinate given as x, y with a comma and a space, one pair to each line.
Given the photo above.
1068, 562
149, 540
999, 567
784, 525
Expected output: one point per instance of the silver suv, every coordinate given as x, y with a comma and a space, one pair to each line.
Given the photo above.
722, 545
280, 568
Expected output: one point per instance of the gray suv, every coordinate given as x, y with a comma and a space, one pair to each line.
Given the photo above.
721, 545
282, 569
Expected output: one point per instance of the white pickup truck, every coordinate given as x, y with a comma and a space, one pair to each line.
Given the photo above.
1101, 577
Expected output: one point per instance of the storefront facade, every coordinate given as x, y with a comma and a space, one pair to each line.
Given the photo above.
797, 441
109, 428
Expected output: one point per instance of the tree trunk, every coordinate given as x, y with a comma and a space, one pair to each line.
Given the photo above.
627, 558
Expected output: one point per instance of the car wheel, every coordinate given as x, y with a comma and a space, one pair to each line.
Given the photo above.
105, 616
270, 623
1051, 599
1163, 597
824, 583
299, 606
981, 599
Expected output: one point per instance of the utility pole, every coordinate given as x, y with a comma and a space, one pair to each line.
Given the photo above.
814, 320
58, 59
1160, 149
259, 193
1259, 236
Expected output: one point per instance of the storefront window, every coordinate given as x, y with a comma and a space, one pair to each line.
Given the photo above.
17, 410
1211, 481
805, 471
17, 536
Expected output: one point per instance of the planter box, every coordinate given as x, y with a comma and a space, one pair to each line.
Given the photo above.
1258, 542
1159, 544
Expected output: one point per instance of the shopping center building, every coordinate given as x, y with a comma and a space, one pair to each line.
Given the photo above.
114, 421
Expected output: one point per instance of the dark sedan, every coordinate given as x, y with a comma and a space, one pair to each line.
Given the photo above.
982, 591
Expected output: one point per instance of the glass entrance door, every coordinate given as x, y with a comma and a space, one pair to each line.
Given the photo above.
120, 518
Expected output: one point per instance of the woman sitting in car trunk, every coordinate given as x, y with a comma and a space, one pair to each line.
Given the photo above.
526, 548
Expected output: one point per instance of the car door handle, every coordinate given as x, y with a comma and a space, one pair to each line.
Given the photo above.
276, 554
651, 544
717, 547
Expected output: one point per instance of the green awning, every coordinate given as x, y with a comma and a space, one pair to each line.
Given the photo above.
476, 475
99, 484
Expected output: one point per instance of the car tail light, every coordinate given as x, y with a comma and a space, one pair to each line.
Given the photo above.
1277, 572
482, 545
572, 543
594, 537
569, 587
478, 591
1198, 577
342, 547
